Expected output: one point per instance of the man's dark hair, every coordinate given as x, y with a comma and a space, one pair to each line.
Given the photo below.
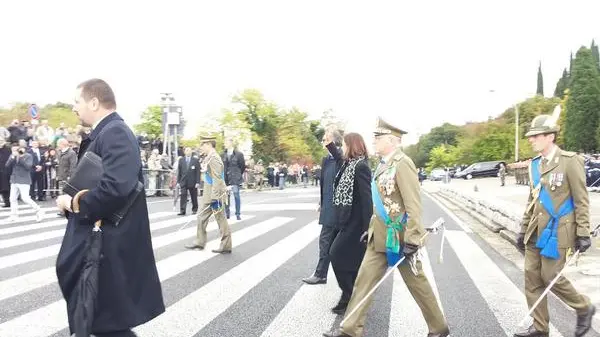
101, 90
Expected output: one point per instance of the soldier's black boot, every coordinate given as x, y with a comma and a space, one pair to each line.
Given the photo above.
531, 332
445, 333
337, 333
584, 322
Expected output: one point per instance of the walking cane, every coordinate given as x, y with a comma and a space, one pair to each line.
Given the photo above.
433, 229
574, 257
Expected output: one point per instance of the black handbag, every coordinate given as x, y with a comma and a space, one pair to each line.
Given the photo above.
88, 174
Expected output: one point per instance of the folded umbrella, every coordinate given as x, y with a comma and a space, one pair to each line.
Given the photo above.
85, 294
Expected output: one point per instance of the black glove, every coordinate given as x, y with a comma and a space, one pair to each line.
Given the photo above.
582, 243
521, 241
409, 249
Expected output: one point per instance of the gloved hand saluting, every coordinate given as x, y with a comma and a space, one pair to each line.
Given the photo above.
215, 205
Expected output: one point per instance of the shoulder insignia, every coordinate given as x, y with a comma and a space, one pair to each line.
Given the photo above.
568, 153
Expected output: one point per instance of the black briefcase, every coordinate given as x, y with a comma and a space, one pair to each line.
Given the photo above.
87, 176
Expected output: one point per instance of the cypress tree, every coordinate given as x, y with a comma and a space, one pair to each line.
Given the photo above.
540, 81
583, 106
596, 54
562, 85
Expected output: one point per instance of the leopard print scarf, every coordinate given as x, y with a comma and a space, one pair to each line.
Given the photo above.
344, 191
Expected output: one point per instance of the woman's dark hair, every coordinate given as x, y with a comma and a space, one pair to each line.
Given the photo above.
355, 146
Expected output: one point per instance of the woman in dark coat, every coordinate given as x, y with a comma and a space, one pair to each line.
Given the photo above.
353, 210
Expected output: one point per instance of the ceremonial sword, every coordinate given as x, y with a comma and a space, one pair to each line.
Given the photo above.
594, 233
438, 225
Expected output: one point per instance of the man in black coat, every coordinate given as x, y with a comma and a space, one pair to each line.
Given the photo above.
129, 291
235, 166
188, 179
330, 167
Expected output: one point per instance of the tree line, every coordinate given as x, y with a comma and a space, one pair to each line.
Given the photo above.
277, 134
578, 93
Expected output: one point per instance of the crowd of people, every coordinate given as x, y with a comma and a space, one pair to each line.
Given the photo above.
36, 161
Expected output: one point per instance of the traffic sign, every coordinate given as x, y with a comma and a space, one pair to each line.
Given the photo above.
33, 111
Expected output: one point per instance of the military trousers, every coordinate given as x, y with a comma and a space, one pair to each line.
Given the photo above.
224, 230
371, 270
539, 272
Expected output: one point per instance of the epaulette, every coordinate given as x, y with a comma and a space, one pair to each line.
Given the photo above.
568, 153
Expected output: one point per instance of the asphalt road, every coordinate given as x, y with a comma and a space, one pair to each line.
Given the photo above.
257, 290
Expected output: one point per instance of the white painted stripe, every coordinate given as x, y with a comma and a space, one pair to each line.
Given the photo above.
62, 222
503, 297
27, 219
189, 315
53, 317
308, 313
6, 212
24, 283
448, 212
309, 206
40, 253
20, 207
406, 319
23, 240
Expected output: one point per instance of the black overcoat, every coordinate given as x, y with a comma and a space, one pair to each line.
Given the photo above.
347, 251
5, 172
129, 291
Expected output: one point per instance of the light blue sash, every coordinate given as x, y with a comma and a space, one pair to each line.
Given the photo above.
548, 241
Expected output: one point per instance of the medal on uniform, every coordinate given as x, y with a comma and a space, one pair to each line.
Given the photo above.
552, 181
559, 179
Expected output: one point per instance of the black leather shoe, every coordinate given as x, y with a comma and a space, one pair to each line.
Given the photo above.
445, 333
222, 251
340, 308
314, 280
584, 322
337, 333
531, 332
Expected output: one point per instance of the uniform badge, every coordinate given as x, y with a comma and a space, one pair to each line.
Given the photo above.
559, 179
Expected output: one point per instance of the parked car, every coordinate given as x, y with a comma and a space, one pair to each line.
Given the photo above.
481, 169
437, 174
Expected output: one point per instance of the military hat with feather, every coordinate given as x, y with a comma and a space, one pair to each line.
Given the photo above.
545, 124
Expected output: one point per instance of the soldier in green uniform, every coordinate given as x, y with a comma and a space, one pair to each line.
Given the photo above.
399, 194
213, 197
259, 171
556, 219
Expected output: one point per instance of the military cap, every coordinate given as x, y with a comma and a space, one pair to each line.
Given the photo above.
207, 137
384, 128
544, 124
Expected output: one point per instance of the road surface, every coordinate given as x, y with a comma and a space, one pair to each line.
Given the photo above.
257, 290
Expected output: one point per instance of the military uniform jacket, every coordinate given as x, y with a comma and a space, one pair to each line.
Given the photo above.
212, 165
399, 188
562, 177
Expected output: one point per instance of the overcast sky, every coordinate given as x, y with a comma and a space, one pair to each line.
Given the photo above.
416, 63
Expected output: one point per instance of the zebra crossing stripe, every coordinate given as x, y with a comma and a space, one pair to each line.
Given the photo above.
502, 296
311, 305
53, 317
189, 315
